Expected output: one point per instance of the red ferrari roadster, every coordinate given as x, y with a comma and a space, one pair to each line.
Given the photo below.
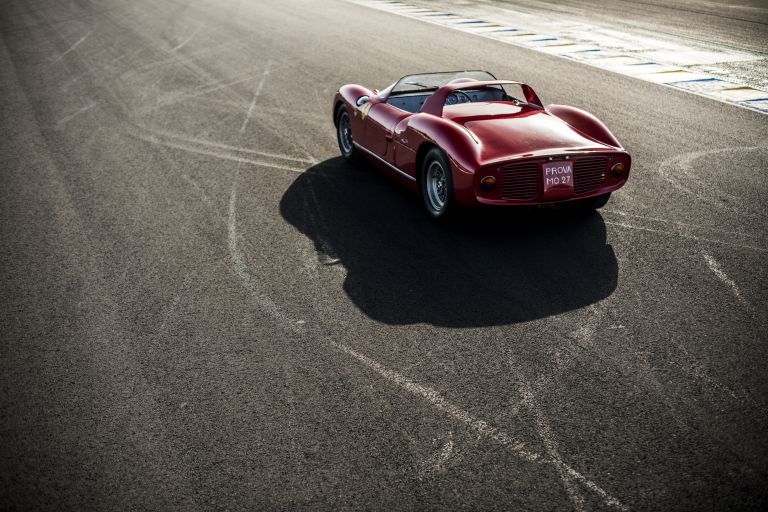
464, 138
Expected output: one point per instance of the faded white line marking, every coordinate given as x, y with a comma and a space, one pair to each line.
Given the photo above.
187, 40
585, 333
677, 223
550, 444
679, 166
175, 302
173, 59
65, 87
435, 399
241, 268
256, 95
230, 104
221, 155
584, 336
479, 426
178, 98
714, 266
64, 120
324, 252
75, 45
692, 366
568, 354
309, 260
684, 235
205, 142
203, 196
438, 462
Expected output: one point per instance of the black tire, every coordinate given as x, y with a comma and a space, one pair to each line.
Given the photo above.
593, 203
438, 198
344, 138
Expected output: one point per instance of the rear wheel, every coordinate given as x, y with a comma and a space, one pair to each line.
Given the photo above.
437, 185
344, 135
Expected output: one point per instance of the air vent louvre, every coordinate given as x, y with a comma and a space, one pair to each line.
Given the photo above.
520, 180
589, 174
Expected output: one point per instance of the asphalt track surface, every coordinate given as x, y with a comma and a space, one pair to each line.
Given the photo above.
204, 308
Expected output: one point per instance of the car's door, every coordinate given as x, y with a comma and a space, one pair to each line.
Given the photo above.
380, 121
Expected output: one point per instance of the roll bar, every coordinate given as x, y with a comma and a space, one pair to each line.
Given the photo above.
435, 103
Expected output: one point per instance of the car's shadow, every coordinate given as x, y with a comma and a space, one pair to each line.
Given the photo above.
492, 267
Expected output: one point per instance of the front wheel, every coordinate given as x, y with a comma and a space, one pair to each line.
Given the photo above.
437, 185
344, 135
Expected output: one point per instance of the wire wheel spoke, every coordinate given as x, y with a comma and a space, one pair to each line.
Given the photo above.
345, 134
437, 186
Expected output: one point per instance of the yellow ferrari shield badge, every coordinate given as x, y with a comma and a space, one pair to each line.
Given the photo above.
364, 110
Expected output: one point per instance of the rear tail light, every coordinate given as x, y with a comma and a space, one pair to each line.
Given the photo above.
488, 183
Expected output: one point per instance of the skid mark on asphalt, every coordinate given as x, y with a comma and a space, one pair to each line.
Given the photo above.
694, 368
73, 47
187, 40
174, 59
634, 364
64, 120
714, 266
241, 268
683, 165
72, 81
268, 125
567, 356
439, 461
184, 96
681, 225
430, 395
685, 235
306, 116
325, 255
287, 135
175, 302
221, 154
543, 428
630, 363
237, 100
480, 427
309, 261
182, 138
204, 197
256, 94
436, 400
550, 444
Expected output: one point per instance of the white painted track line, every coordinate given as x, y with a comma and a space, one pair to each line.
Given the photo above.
714, 266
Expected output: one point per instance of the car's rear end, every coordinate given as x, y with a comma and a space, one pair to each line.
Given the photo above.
529, 156
553, 178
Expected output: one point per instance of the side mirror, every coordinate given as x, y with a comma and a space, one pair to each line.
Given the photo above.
362, 100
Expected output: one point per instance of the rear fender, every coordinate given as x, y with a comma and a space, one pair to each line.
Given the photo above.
585, 123
458, 144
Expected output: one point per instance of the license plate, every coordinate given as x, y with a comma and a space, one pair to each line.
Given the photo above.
558, 175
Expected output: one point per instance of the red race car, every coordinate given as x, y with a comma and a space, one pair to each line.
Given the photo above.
464, 138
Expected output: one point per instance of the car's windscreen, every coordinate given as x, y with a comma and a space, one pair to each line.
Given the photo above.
509, 92
432, 81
